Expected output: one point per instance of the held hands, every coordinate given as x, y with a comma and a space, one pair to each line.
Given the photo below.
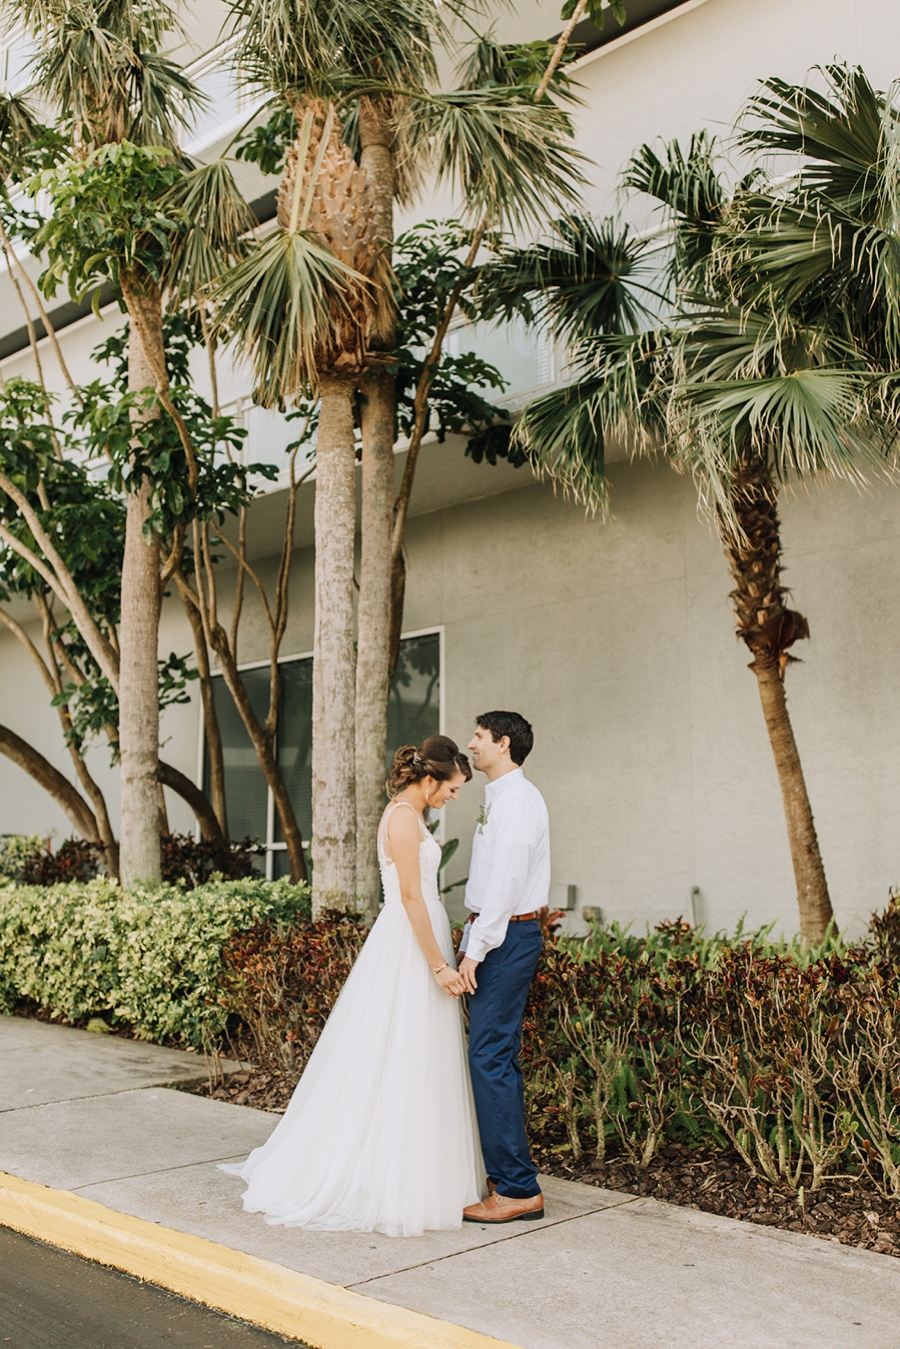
467, 970
450, 981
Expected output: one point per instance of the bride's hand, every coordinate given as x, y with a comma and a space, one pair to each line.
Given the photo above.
450, 982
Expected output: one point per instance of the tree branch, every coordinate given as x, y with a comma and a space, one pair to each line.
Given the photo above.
60, 788
60, 581
198, 801
559, 50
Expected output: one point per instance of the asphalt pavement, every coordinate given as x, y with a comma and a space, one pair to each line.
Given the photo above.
52, 1300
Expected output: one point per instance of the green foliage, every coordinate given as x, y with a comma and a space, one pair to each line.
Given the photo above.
100, 66
788, 1053
513, 63
429, 266
510, 159
14, 850
108, 220
595, 10
282, 982
267, 145
151, 959
781, 338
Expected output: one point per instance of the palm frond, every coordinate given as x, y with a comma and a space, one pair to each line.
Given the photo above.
283, 306
619, 396
829, 241
840, 133
689, 188
590, 277
513, 63
218, 217
803, 423
511, 160
19, 129
306, 47
99, 65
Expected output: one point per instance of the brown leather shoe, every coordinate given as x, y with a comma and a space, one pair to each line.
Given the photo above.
499, 1208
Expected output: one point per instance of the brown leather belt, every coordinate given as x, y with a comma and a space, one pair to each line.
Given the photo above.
516, 917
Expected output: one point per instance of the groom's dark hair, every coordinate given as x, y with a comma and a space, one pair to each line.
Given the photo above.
521, 736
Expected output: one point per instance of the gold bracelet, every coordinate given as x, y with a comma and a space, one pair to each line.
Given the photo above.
445, 966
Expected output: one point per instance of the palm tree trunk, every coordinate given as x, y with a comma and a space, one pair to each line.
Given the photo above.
333, 794
809, 873
140, 859
373, 660
379, 417
769, 629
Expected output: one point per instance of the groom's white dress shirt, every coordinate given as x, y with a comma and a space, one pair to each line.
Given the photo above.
510, 871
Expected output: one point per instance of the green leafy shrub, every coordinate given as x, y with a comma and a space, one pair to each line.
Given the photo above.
149, 958
283, 982
75, 860
790, 1054
14, 849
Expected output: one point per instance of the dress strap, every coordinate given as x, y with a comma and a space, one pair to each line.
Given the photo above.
383, 839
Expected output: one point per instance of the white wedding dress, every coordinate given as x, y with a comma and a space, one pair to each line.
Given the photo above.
380, 1134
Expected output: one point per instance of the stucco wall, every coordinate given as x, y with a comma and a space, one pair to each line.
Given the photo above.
617, 641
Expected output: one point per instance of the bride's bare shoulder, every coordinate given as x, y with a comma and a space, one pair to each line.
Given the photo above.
402, 822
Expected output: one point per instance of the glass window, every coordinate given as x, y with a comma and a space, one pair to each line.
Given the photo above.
295, 741
246, 790
414, 712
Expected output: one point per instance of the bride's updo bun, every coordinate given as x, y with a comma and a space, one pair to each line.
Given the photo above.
438, 757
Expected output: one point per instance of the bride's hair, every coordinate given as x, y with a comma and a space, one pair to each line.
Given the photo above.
438, 757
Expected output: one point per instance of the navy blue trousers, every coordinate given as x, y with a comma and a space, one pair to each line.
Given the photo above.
495, 1037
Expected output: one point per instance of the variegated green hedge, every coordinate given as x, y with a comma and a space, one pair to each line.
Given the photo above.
151, 958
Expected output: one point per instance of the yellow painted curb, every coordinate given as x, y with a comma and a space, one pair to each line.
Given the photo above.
323, 1314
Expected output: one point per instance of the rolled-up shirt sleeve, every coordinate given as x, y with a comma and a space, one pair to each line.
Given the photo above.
511, 861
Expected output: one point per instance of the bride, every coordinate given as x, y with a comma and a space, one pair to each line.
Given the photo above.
380, 1134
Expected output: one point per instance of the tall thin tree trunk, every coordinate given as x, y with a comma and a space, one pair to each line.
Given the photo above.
379, 409
373, 661
769, 629
263, 742
140, 859
333, 794
211, 729
809, 872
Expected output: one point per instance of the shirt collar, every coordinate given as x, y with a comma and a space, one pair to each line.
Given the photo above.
502, 783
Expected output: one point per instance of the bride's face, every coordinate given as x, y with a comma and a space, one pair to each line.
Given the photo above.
442, 792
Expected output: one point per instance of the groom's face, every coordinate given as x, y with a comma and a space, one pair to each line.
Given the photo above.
485, 751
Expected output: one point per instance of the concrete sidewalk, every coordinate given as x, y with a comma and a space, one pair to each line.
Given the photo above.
93, 1115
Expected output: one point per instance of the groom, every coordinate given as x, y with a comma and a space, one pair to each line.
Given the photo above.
509, 883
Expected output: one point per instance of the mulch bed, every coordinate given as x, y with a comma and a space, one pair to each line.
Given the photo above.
711, 1179
716, 1180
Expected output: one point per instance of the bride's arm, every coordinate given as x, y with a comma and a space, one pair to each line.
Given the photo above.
405, 837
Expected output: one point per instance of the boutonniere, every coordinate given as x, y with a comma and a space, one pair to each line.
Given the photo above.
481, 818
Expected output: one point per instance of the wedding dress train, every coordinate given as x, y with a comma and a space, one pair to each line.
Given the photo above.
380, 1134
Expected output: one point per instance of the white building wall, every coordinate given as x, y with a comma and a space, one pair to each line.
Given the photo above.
617, 639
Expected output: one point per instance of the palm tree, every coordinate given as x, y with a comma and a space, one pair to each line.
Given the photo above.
360, 82
101, 67
776, 361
